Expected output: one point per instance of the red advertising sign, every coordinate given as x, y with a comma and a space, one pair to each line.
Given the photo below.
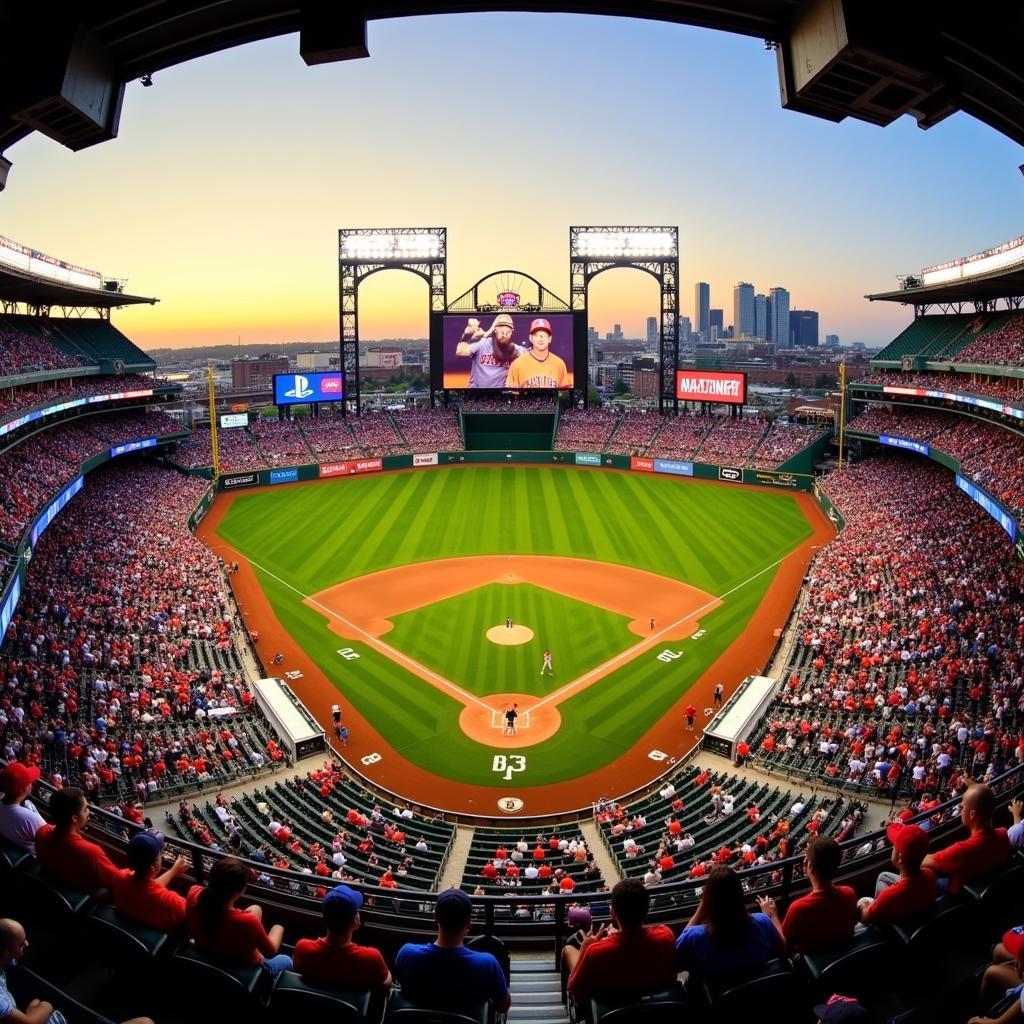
711, 386
641, 465
351, 467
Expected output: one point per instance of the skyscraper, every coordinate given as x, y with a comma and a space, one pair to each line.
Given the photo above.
778, 319
803, 325
716, 318
652, 330
743, 310
702, 308
685, 330
760, 316
832, 341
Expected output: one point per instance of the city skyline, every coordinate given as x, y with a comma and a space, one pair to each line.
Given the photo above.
225, 190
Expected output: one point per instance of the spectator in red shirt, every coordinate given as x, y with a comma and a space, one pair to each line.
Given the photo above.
631, 957
898, 896
335, 960
828, 913
235, 936
63, 852
142, 893
985, 849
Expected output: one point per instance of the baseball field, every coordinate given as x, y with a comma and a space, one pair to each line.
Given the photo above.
424, 601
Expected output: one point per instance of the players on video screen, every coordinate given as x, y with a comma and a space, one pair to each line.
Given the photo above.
498, 361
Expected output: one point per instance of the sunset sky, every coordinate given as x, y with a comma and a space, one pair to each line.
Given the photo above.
225, 190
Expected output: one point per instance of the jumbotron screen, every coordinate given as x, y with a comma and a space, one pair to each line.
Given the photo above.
711, 386
302, 388
517, 351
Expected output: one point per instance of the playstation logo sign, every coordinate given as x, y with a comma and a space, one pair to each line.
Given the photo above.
300, 389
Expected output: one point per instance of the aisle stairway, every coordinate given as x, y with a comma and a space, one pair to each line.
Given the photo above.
536, 993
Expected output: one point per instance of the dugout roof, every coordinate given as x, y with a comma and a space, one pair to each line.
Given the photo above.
66, 63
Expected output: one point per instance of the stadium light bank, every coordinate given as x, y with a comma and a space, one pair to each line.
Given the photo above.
388, 246
625, 244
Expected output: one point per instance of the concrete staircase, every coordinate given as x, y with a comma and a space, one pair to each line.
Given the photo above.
455, 865
596, 844
536, 993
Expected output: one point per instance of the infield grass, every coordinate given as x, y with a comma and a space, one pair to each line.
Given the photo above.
312, 536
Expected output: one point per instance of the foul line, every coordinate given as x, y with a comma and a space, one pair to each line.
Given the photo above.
631, 652
392, 652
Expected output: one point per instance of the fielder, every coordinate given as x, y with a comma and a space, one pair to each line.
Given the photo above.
546, 668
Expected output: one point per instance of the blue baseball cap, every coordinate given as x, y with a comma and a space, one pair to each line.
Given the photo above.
144, 848
343, 901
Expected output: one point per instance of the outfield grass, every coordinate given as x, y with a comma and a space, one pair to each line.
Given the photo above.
580, 637
314, 536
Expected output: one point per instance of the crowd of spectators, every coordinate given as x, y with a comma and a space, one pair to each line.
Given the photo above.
31, 472
14, 400
635, 433
1002, 346
585, 430
119, 672
1006, 389
429, 430
376, 434
24, 352
280, 442
329, 438
682, 436
236, 447
905, 675
470, 402
732, 440
781, 443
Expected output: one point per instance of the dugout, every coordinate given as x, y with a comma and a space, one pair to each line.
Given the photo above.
300, 733
738, 719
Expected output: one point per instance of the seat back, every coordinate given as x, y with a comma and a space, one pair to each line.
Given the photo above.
25, 985
294, 998
130, 939
46, 895
220, 982
776, 985
856, 966
404, 1011
667, 1006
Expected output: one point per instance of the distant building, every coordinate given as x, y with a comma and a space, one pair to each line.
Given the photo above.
652, 330
716, 318
761, 316
257, 372
318, 362
702, 307
803, 327
685, 330
778, 318
743, 318
831, 341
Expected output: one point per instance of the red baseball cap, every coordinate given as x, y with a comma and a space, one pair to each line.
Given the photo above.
1013, 940
540, 325
910, 840
16, 776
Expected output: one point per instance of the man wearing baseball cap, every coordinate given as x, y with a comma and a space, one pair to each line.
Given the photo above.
539, 367
445, 972
334, 959
19, 819
913, 889
142, 892
492, 351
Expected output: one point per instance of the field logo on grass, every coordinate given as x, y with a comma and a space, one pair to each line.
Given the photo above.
508, 763
510, 804
669, 655
429, 459
347, 653
588, 459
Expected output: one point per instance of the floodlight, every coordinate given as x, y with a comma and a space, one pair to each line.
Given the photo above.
626, 244
390, 246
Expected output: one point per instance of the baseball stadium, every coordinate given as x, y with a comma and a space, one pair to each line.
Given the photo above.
502, 703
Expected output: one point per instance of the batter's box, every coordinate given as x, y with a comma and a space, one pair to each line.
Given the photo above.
498, 720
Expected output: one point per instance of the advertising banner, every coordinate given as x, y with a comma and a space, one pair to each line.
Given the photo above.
284, 476
641, 465
351, 467
240, 480
10, 603
54, 507
992, 507
588, 459
673, 466
905, 443
770, 479
730, 473
426, 459
234, 419
300, 388
711, 386
132, 446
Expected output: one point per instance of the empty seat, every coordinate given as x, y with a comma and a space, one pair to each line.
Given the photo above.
294, 998
666, 1006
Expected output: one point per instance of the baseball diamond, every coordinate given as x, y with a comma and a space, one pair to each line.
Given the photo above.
396, 591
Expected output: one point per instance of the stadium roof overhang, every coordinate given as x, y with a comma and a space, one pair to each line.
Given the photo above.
66, 65
38, 291
985, 288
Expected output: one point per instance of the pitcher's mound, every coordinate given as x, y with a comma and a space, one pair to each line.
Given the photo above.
510, 637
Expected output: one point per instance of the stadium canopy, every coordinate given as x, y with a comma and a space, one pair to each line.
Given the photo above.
66, 64
35, 291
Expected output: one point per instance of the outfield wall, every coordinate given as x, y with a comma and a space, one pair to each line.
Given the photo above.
786, 480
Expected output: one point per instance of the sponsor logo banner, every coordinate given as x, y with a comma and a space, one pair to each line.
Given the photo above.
992, 507
905, 443
641, 465
730, 473
351, 467
588, 459
242, 480
711, 386
673, 466
132, 446
760, 476
428, 459
284, 476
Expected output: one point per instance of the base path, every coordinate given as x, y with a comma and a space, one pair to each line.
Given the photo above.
747, 655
